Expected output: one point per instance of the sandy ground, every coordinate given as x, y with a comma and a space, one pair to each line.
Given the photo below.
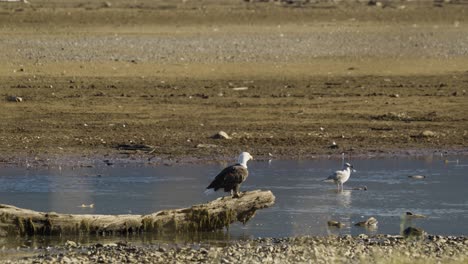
285, 80
282, 80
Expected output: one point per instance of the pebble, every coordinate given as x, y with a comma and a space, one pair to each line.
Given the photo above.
221, 135
413, 232
71, 244
427, 134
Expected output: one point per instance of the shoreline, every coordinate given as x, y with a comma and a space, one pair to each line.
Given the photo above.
144, 159
302, 249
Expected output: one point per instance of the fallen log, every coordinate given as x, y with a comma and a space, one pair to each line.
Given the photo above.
211, 216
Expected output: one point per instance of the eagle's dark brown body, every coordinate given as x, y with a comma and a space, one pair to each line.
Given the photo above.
230, 179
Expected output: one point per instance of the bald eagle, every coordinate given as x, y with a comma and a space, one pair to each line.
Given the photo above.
340, 176
231, 177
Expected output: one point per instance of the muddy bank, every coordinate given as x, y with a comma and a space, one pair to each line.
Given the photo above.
281, 118
282, 81
347, 249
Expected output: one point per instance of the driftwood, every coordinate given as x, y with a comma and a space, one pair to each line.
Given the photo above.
211, 216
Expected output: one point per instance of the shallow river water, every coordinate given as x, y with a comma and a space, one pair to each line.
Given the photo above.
303, 205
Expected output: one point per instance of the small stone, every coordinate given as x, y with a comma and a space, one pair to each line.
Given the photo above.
371, 222
14, 99
221, 135
71, 244
206, 146
162, 250
335, 224
427, 133
122, 243
240, 88
362, 188
413, 232
65, 259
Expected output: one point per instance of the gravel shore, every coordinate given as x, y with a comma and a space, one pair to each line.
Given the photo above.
345, 249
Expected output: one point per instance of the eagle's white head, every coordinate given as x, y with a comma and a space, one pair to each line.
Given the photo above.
243, 158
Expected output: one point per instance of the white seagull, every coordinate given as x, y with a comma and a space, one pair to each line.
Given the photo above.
340, 176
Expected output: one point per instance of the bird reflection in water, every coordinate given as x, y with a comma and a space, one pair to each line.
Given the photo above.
343, 198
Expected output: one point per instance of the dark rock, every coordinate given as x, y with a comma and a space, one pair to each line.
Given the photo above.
413, 232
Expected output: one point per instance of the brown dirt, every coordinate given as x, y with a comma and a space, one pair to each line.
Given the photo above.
162, 73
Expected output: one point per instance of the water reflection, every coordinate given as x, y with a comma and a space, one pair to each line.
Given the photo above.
343, 198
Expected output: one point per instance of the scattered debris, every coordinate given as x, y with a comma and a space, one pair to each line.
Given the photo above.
86, 206
417, 177
107, 4
381, 128
413, 232
16, 1
411, 215
206, 146
71, 244
362, 188
392, 116
371, 222
334, 223
14, 99
221, 135
333, 145
427, 133
141, 147
240, 88
108, 162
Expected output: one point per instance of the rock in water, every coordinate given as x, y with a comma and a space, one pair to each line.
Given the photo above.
71, 244
335, 224
413, 232
417, 177
411, 215
371, 222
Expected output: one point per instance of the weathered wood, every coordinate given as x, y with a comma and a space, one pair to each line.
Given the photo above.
214, 215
